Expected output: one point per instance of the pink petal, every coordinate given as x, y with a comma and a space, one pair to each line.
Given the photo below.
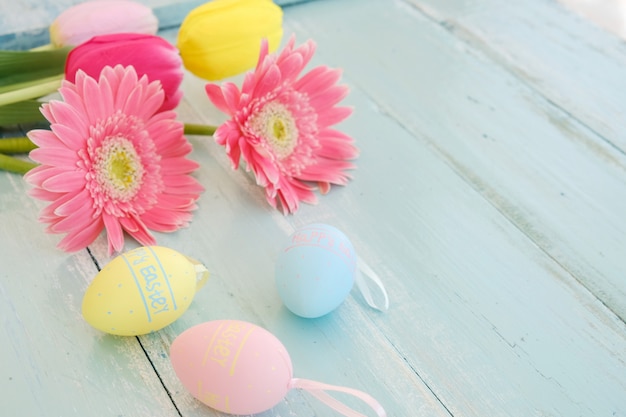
81, 238
180, 184
139, 231
38, 175
336, 145
167, 135
105, 95
327, 170
265, 169
329, 97
65, 182
291, 193
74, 203
231, 96
44, 195
66, 115
269, 81
291, 67
333, 116
115, 234
54, 156
178, 166
215, 94
75, 221
129, 224
93, 105
134, 99
248, 84
44, 138
153, 100
228, 135
69, 135
127, 83
73, 99
165, 221
174, 202
324, 187
263, 52
172, 100
45, 110
318, 78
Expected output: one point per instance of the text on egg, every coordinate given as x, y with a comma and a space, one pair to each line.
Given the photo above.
151, 280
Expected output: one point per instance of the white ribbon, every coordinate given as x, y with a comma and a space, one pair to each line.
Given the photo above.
202, 273
364, 271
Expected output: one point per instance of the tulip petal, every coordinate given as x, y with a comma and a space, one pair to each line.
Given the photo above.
83, 21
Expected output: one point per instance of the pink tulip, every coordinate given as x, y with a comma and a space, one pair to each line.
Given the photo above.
83, 21
150, 55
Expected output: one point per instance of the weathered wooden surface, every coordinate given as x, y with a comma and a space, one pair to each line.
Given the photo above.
489, 195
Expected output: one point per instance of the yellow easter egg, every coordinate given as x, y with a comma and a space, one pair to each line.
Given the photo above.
142, 291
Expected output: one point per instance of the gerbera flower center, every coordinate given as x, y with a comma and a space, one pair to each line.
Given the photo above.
119, 170
275, 123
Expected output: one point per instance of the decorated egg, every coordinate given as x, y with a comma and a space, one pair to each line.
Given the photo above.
232, 366
142, 291
315, 270
239, 368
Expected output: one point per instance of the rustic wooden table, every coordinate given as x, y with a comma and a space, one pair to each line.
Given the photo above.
490, 197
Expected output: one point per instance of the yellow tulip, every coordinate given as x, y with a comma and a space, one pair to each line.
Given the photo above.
222, 38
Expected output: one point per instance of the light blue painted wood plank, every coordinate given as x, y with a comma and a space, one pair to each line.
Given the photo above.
577, 65
484, 303
51, 361
559, 182
484, 317
488, 316
24, 24
238, 236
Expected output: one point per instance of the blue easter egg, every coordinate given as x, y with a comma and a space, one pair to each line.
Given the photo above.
315, 270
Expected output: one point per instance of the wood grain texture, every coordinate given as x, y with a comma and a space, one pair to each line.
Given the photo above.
577, 66
564, 186
583, 87
51, 361
488, 205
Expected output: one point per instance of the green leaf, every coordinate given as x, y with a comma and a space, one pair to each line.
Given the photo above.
29, 90
15, 165
18, 67
21, 112
17, 145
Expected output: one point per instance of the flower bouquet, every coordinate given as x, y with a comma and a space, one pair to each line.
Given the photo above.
112, 155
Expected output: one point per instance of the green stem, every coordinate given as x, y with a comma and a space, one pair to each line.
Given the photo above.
16, 145
18, 166
204, 130
32, 90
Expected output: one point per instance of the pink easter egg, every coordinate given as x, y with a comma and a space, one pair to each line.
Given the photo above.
232, 366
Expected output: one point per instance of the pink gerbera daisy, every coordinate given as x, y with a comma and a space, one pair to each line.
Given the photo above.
281, 126
111, 161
